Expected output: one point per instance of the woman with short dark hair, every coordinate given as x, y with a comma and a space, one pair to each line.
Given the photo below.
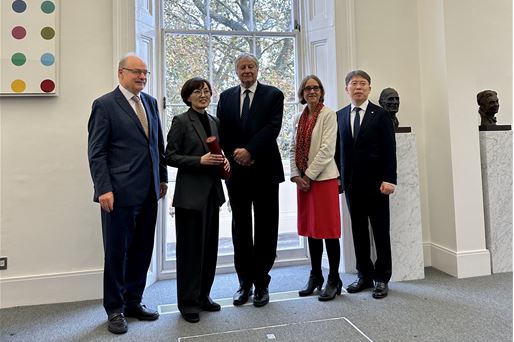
197, 198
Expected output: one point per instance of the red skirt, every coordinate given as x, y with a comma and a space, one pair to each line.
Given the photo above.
318, 210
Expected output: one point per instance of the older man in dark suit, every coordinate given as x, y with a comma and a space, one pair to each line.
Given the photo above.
368, 169
250, 117
126, 160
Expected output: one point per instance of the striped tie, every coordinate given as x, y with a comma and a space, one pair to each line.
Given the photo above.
140, 112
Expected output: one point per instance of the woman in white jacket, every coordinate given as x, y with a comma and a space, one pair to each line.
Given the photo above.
315, 173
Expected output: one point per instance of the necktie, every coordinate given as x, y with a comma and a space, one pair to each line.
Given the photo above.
246, 106
356, 123
140, 112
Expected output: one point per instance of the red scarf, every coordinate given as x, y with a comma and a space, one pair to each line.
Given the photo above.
304, 135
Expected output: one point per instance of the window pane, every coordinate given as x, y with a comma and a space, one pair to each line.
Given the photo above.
183, 15
285, 136
273, 16
225, 49
277, 64
186, 57
171, 111
231, 15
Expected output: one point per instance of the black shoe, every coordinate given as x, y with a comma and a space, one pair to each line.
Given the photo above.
314, 282
241, 296
142, 313
117, 324
380, 290
359, 285
261, 297
209, 305
191, 317
332, 288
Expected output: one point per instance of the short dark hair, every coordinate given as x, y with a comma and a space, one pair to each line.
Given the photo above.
302, 88
354, 73
191, 85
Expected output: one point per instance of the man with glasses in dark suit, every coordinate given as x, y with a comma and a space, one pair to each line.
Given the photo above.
126, 160
368, 171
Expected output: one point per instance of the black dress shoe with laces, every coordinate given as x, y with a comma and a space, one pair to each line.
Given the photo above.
241, 296
359, 285
261, 297
314, 282
116, 323
210, 305
191, 317
141, 312
380, 290
332, 289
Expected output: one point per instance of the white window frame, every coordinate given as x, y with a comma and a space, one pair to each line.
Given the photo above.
286, 257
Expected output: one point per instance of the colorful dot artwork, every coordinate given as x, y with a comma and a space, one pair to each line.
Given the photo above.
28, 47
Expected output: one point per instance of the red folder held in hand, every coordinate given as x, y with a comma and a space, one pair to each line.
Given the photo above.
214, 148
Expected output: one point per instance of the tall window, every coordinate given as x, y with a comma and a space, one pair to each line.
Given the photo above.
202, 38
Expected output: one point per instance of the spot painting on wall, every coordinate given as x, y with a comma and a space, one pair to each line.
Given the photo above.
29, 38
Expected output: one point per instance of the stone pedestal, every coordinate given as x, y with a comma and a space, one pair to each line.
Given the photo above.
496, 160
405, 209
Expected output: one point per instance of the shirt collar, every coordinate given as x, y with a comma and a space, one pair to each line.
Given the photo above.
252, 88
363, 106
128, 95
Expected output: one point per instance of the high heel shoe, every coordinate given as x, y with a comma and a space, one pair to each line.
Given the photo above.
314, 282
332, 288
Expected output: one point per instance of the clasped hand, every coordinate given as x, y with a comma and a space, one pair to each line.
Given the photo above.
215, 159
242, 157
303, 183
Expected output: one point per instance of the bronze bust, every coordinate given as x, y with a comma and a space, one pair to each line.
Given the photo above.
390, 101
489, 105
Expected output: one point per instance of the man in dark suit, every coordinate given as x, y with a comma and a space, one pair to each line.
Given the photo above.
126, 160
250, 117
368, 169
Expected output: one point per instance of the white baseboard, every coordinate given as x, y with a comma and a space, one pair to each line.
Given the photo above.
427, 254
51, 288
461, 264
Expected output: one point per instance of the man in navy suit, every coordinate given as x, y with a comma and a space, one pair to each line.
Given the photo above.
126, 160
368, 169
250, 117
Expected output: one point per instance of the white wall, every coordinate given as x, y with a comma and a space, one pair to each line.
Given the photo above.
50, 228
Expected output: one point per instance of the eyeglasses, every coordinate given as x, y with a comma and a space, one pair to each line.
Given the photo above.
138, 71
308, 89
202, 92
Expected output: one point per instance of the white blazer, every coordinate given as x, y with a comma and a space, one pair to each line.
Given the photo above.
321, 164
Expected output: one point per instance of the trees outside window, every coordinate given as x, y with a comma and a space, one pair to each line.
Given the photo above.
202, 38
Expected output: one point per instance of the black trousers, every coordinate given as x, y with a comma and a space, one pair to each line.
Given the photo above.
128, 237
374, 206
255, 241
197, 253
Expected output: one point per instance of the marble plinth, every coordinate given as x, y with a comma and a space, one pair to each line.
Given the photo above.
405, 209
496, 160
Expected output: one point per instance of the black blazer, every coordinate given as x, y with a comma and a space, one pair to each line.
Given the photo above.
121, 158
370, 159
258, 134
186, 145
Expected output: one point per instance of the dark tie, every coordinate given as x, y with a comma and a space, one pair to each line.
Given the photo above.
140, 112
356, 123
246, 106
